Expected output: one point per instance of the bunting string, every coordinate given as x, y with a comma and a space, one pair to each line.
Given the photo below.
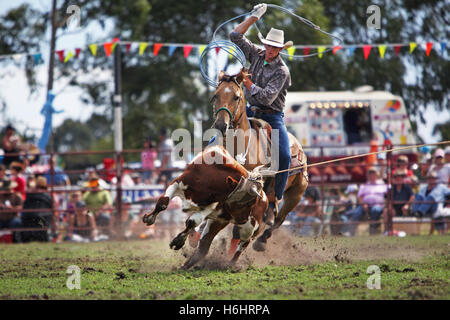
141, 47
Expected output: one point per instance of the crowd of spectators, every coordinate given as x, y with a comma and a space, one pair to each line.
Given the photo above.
420, 193
85, 211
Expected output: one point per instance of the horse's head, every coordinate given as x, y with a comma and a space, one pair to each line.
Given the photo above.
228, 101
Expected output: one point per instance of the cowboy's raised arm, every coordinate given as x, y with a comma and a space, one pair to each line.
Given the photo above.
237, 35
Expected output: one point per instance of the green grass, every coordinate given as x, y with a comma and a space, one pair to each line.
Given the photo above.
330, 268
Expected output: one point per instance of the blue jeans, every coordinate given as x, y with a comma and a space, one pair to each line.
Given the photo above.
12, 224
284, 152
357, 215
424, 208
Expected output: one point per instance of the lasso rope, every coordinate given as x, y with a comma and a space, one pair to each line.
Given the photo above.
271, 172
233, 50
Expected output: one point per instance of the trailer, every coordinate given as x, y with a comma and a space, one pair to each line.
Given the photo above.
335, 124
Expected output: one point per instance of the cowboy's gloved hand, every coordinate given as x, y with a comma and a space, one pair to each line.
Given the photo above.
259, 10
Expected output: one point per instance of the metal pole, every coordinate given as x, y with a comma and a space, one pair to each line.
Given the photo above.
117, 101
389, 224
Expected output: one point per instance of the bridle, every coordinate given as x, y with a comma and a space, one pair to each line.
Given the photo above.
232, 115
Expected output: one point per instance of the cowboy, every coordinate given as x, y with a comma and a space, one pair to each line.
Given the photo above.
266, 85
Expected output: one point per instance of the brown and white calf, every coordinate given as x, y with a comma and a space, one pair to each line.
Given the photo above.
221, 192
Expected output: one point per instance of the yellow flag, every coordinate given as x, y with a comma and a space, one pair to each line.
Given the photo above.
201, 49
230, 55
320, 50
382, 49
68, 56
412, 46
291, 51
93, 48
142, 47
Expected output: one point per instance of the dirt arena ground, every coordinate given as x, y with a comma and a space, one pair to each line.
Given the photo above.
291, 268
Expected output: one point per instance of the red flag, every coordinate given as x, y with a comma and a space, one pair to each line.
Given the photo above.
108, 47
60, 53
306, 51
187, 49
429, 46
336, 49
156, 48
128, 47
217, 50
397, 50
367, 49
77, 52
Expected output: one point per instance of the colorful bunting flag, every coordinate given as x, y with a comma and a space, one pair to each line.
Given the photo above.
397, 50
128, 47
17, 57
187, 49
366, 49
201, 49
93, 48
382, 50
142, 47
291, 51
443, 47
306, 50
429, 46
171, 50
230, 54
77, 52
37, 58
412, 46
68, 56
60, 54
217, 50
336, 49
108, 48
156, 48
115, 40
350, 51
320, 50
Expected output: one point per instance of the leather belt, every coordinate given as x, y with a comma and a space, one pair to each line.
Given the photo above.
260, 111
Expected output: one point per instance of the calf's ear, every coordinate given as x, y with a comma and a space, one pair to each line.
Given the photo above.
232, 182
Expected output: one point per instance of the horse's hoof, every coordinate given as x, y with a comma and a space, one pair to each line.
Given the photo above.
178, 242
259, 246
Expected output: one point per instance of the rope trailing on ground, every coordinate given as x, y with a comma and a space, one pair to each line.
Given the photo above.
233, 50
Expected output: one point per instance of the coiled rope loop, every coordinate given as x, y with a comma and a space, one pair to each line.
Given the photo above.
233, 50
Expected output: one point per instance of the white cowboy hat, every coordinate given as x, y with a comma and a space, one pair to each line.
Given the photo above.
275, 38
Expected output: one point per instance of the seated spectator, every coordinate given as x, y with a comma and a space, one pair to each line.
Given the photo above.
382, 165
59, 177
16, 169
402, 164
38, 199
309, 213
73, 199
2, 172
439, 222
10, 144
402, 195
82, 226
442, 169
10, 206
427, 200
99, 202
371, 198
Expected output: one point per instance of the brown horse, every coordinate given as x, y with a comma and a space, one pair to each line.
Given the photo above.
230, 111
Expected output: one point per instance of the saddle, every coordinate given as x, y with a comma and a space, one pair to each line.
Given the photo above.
296, 152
